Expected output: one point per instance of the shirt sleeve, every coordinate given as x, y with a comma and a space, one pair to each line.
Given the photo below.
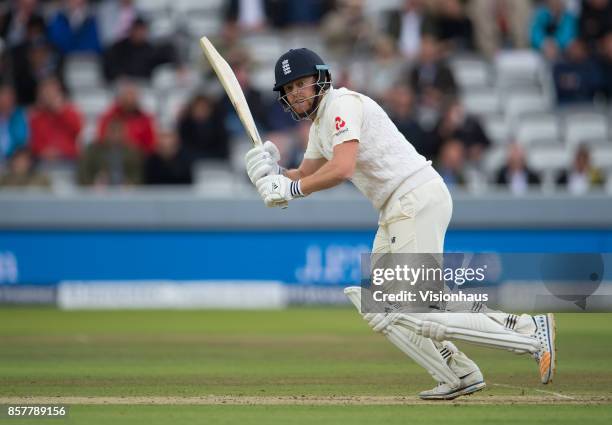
344, 120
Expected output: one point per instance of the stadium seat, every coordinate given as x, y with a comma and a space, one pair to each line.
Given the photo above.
264, 49
88, 134
83, 72
494, 158
585, 127
299, 38
381, 6
61, 173
496, 128
547, 158
214, 177
519, 67
537, 129
520, 104
601, 156
212, 7
481, 102
262, 78
154, 7
92, 103
239, 148
162, 26
172, 104
149, 100
203, 23
471, 72
165, 78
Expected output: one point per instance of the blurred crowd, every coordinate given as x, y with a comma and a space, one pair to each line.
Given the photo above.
399, 57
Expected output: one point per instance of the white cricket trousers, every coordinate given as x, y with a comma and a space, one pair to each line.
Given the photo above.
415, 222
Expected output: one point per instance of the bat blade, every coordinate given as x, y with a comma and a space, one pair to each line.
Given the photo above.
229, 82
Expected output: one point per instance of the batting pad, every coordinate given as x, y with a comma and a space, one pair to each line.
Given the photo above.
420, 349
476, 328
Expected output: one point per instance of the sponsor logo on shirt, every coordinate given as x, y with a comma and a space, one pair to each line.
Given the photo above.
339, 123
340, 126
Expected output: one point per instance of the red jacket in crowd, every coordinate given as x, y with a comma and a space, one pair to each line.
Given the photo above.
139, 127
54, 134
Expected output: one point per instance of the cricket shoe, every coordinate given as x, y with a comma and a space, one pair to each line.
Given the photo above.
547, 355
469, 384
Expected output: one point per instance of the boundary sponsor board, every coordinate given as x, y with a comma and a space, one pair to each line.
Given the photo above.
168, 294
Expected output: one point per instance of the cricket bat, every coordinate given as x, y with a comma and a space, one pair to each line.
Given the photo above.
234, 92
232, 88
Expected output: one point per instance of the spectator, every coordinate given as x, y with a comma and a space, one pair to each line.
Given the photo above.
201, 130
453, 27
450, 163
74, 29
113, 161
250, 15
13, 123
300, 13
577, 78
605, 65
55, 124
553, 28
226, 42
407, 25
255, 15
582, 176
402, 113
457, 124
515, 174
139, 126
14, 22
22, 173
277, 118
32, 61
135, 56
374, 75
4, 60
496, 20
347, 30
595, 21
115, 18
431, 78
169, 164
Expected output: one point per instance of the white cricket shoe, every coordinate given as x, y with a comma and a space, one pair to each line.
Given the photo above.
469, 384
547, 355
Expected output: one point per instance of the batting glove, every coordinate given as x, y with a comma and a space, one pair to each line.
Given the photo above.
263, 161
277, 190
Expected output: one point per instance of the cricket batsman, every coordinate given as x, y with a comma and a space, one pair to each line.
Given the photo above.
352, 138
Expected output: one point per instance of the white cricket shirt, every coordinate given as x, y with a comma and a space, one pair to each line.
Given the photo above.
385, 159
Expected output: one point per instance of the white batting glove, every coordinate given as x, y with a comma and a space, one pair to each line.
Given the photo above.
262, 161
277, 190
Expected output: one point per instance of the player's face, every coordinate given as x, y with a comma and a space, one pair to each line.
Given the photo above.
300, 94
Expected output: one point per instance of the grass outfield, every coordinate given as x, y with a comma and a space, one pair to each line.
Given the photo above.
295, 366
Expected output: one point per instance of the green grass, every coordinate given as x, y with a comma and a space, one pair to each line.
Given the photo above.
312, 352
